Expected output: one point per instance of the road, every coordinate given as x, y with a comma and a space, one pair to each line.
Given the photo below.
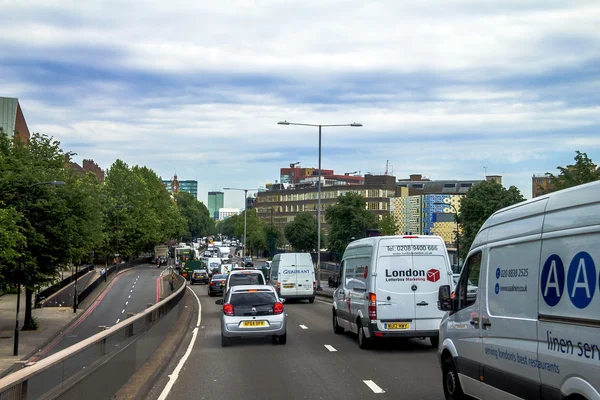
129, 292
314, 364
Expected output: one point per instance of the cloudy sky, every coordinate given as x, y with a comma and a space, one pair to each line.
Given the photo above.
445, 88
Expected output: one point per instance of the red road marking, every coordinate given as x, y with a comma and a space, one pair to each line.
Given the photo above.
76, 324
158, 289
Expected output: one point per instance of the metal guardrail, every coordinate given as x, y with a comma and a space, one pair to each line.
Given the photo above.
101, 364
44, 294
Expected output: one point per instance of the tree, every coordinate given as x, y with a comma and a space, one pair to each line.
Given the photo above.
387, 225
301, 233
274, 237
196, 215
478, 204
11, 242
227, 226
348, 220
583, 171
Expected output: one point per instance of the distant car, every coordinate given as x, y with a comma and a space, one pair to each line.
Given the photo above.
251, 311
471, 289
248, 263
199, 275
217, 285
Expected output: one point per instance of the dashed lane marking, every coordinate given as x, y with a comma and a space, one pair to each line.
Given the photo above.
126, 302
117, 321
123, 312
330, 347
303, 327
373, 386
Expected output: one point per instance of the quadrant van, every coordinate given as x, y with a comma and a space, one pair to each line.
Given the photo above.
532, 331
293, 276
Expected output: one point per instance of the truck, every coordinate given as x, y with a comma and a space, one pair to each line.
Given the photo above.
160, 250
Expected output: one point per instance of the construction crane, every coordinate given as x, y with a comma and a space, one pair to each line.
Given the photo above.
387, 164
292, 169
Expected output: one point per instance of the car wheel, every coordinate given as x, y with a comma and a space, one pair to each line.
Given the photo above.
210, 294
282, 338
337, 329
450, 382
435, 341
225, 341
311, 300
363, 342
274, 339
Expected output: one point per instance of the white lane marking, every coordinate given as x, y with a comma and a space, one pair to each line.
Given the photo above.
303, 327
133, 287
117, 321
373, 386
129, 297
123, 312
330, 347
131, 291
126, 302
173, 377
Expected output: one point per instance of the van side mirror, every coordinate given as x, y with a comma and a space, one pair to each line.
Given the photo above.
219, 302
445, 299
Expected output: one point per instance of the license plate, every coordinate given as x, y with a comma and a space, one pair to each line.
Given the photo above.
288, 286
397, 325
254, 323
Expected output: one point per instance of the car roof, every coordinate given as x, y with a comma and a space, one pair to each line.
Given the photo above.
245, 271
245, 288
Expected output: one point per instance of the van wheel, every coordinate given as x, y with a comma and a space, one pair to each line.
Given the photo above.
363, 342
337, 329
435, 341
311, 300
451, 383
224, 341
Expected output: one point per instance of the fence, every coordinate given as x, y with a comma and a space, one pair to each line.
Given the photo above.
99, 366
44, 294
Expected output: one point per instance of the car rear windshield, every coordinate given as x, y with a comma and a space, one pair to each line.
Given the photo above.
223, 276
246, 279
252, 299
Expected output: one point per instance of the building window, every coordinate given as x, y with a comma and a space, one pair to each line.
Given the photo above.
449, 185
417, 186
466, 185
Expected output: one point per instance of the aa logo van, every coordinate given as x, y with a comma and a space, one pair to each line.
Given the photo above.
579, 280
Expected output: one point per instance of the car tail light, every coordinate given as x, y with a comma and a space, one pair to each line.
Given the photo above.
277, 308
372, 306
314, 286
228, 309
212, 283
278, 286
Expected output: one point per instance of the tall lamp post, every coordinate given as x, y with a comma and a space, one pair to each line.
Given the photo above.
354, 124
457, 231
245, 212
22, 261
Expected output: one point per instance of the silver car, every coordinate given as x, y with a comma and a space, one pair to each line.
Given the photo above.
250, 311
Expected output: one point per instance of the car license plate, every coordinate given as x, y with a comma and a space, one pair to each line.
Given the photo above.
289, 286
254, 323
397, 325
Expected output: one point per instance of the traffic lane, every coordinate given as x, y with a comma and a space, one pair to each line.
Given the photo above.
403, 368
128, 292
257, 369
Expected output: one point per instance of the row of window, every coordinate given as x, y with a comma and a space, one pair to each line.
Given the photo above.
377, 206
327, 194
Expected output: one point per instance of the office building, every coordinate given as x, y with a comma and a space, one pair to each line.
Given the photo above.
216, 200
225, 213
176, 186
282, 201
12, 121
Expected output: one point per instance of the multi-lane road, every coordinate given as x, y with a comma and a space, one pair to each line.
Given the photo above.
314, 364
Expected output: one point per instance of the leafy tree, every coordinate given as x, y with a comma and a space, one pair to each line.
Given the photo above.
196, 214
227, 226
301, 233
348, 220
387, 225
11, 242
583, 171
274, 237
478, 204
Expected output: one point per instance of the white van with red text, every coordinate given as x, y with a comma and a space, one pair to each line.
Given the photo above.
389, 286
532, 330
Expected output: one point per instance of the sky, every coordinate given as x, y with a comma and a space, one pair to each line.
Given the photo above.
447, 89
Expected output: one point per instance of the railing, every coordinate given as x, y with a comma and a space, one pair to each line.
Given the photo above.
100, 365
44, 294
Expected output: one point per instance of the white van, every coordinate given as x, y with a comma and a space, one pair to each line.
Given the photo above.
533, 329
293, 276
388, 288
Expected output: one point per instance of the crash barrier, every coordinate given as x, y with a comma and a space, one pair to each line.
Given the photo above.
86, 288
44, 294
101, 364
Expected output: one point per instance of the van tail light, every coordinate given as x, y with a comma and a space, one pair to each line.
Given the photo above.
278, 286
277, 308
372, 306
314, 286
452, 295
228, 309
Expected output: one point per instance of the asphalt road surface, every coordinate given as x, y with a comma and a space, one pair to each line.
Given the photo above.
314, 364
129, 292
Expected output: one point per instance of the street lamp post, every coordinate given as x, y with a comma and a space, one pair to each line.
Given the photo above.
457, 231
22, 263
354, 124
245, 212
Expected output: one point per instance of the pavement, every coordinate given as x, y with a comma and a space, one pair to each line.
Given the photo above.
60, 327
314, 364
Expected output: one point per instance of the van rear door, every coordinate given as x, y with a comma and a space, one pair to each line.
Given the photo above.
287, 275
305, 274
393, 282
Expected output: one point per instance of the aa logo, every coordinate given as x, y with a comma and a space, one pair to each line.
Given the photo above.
581, 279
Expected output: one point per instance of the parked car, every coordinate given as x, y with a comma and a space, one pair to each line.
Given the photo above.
250, 311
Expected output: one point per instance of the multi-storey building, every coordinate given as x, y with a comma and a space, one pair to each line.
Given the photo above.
225, 213
216, 200
176, 186
12, 120
540, 184
91, 166
282, 201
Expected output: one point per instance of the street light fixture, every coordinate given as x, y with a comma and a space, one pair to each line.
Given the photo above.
354, 124
22, 261
457, 231
245, 212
